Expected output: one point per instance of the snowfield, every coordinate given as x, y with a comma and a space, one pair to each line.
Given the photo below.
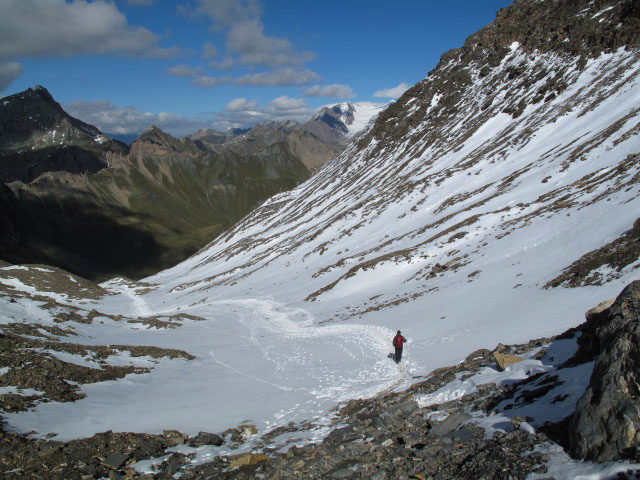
257, 361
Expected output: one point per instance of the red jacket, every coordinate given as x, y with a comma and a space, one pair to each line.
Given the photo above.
398, 340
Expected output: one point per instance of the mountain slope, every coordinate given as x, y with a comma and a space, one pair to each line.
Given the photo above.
485, 180
37, 135
164, 200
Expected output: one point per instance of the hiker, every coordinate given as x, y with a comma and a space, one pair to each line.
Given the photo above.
398, 342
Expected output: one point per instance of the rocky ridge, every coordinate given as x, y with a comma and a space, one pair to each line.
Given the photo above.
37, 135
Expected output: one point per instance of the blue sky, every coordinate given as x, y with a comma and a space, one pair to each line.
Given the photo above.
190, 64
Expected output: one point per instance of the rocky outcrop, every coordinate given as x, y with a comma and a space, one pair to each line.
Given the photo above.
38, 136
606, 423
616, 256
298, 140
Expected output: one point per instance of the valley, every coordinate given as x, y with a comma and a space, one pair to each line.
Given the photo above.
490, 213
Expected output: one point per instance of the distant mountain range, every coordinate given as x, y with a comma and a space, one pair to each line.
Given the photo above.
98, 207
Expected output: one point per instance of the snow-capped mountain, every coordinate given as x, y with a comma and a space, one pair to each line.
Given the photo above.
341, 122
483, 206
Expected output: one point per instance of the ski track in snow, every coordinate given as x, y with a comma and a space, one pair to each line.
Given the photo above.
140, 307
289, 340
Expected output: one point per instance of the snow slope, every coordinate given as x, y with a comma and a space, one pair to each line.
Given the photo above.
445, 220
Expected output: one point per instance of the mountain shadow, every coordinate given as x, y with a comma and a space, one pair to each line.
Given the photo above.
74, 235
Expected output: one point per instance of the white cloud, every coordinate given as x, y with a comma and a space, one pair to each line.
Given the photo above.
288, 104
393, 92
209, 50
225, 64
184, 71
238, 113
241, 113
247, 46
58, 28
286, 76
205, 81
245, 37
113, 119
335, 90
9, 71
224, 13
241, 104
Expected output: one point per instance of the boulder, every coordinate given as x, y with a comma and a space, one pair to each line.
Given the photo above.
606, 422
598, 309
449, 424
174, 437
503, 360
205, 438
244, 459
116, 460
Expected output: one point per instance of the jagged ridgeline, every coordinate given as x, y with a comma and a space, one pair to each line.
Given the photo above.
83, 202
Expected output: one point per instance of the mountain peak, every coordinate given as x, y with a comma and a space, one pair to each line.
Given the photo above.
43, 137
341, 122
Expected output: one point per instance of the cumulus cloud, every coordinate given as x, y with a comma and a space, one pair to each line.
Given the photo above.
393, 92
288, 104
58, 28
184, 71
205, 81
241, 104
245, 38
285, 76
9, 71
225, 64
335, 90
242, 113
209, 50
288, 76
113, 119
247, 46
238, 113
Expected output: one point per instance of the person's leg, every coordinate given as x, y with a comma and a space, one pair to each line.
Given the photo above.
398, 354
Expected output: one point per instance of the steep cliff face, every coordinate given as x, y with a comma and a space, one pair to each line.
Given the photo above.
606, 423
528, 56
37, 136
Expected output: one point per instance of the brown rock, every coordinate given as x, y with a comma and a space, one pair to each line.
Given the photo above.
503, 360
601, 307
244, 459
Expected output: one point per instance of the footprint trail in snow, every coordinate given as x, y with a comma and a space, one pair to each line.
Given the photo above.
256, 360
